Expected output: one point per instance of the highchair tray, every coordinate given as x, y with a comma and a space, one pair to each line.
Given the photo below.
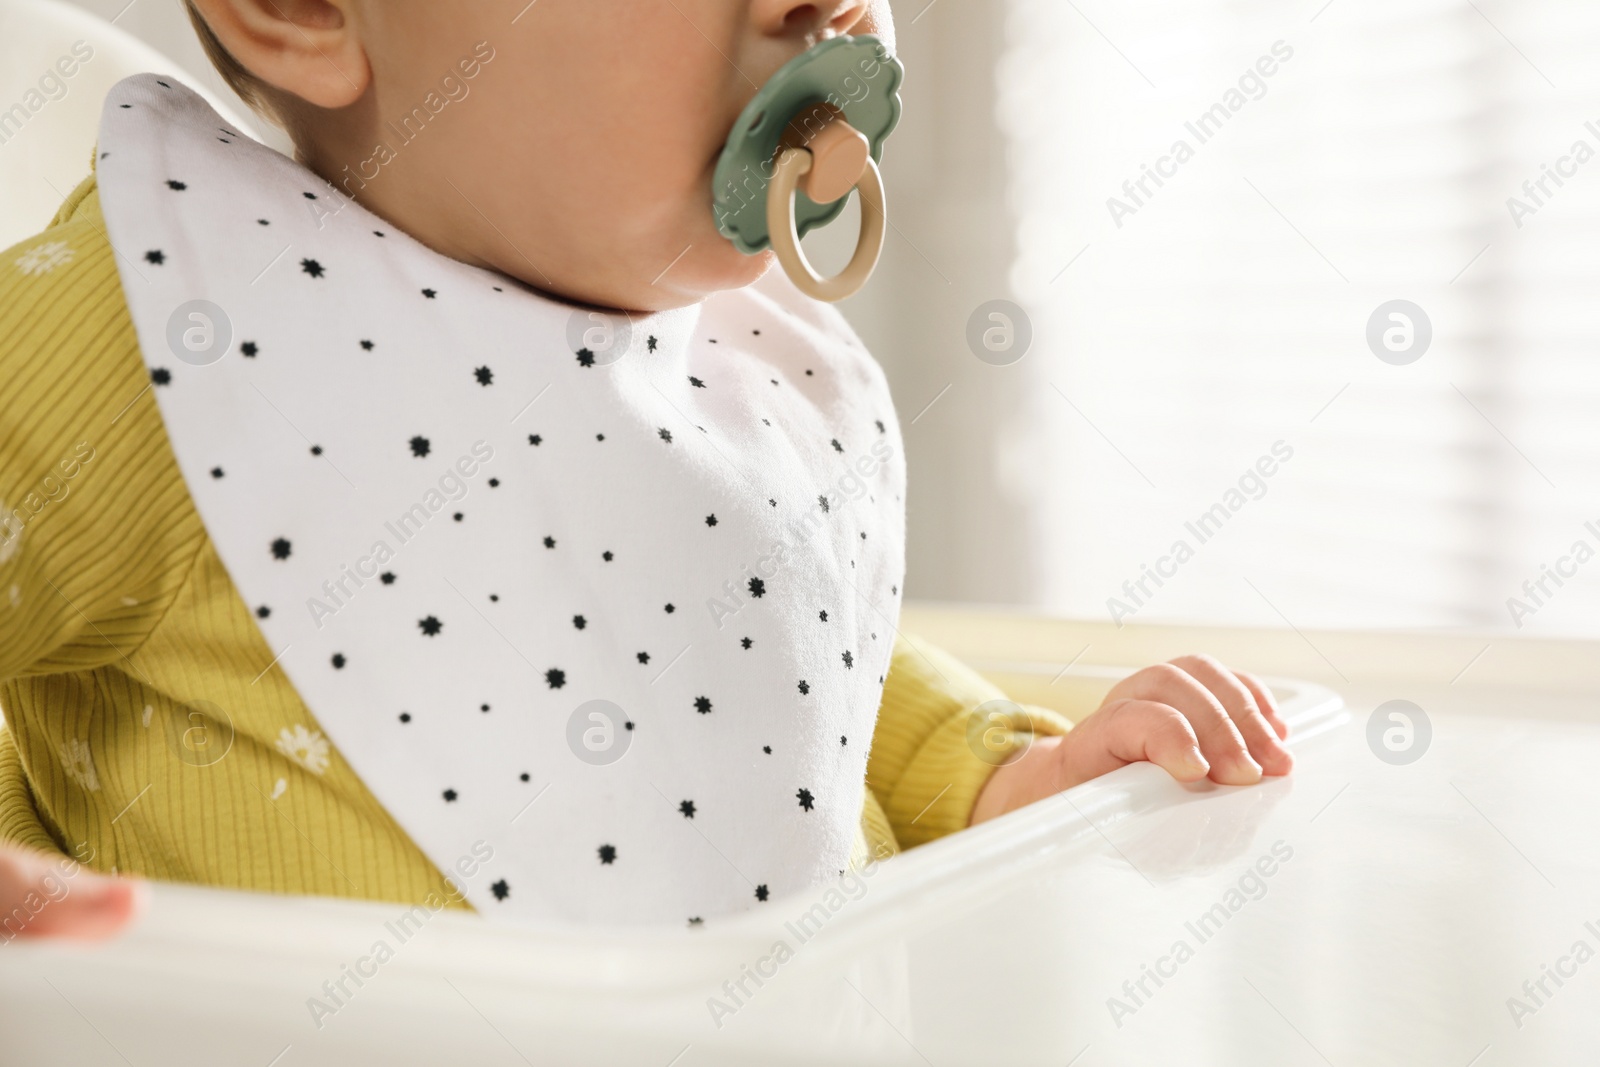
1357, 910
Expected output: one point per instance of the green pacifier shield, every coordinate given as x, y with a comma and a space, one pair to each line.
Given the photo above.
857, 75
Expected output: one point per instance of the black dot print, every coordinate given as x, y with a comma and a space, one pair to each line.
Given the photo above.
696, 921
805, 442
155, 256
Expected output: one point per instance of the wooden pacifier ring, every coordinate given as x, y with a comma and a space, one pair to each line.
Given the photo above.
794, 164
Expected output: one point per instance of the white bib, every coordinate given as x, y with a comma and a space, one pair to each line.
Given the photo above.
459, 525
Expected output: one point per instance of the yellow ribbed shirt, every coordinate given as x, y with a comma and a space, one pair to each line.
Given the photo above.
118, 623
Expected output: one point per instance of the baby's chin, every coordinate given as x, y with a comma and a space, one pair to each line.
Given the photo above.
703, 270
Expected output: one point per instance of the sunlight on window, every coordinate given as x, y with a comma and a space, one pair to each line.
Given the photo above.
1312, 293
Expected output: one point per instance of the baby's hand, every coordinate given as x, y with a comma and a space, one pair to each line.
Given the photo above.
1193, 717
42, 896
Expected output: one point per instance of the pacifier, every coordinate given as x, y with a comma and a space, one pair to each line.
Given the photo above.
814, 132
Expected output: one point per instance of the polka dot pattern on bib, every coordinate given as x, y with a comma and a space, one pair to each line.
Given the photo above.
608, 622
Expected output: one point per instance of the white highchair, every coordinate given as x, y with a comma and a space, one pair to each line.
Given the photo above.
1364, 909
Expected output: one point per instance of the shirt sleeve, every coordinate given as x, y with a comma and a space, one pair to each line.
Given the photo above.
937, 743
95, 537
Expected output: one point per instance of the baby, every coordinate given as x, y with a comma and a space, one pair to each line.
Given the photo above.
355, 548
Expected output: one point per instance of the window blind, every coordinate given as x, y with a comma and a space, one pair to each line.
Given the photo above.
1212, 198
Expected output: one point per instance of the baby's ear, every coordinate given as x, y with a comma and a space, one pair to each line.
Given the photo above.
307, 48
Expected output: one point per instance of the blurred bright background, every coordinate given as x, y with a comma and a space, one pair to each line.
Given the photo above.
1355, 155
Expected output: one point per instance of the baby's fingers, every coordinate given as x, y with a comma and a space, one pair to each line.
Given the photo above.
1265, 701
1243, 707
45, 897
1147, 730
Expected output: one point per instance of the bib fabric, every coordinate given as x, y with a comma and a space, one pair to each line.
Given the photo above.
606, 634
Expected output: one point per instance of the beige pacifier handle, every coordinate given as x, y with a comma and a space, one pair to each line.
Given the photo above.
831, 163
